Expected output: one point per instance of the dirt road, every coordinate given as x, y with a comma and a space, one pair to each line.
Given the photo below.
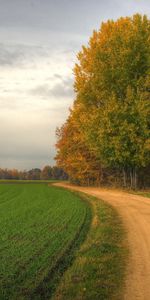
135, 213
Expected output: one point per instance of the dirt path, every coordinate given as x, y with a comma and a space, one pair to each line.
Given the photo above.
135, 212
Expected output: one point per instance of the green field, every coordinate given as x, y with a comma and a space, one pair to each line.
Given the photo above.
38, 224
59, 244
18, 181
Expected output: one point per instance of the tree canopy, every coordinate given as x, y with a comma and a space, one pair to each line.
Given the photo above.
111, 113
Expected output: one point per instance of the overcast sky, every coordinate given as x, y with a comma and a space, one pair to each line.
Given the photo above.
39, 40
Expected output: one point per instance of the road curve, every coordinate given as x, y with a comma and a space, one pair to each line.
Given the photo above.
135, 213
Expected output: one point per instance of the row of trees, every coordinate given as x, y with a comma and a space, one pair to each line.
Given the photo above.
106, 137
46, 173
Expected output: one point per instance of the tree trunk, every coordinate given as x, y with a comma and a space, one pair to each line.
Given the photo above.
100, 176
124, 178
131, 178
135, 178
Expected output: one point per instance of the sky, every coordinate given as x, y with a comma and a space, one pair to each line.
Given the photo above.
39, 41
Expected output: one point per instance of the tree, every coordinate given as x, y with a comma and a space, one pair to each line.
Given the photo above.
46, 173
34, 174
74, 156
112, 82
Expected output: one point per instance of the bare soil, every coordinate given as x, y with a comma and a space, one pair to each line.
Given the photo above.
135, 213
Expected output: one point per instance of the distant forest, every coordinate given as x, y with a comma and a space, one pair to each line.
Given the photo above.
47, 173
106, 138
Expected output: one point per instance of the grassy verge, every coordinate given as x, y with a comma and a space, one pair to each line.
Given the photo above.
142, 193
98, 270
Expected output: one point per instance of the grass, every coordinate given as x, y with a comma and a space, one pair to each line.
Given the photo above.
145, 193
38, 227
99, 267
46, 251
17, 181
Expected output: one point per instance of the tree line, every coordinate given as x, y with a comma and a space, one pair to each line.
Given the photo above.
106, 138
47, 173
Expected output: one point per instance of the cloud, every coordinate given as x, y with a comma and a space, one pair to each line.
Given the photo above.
19, 133
9, 56
62, 89
39, 43
14, 55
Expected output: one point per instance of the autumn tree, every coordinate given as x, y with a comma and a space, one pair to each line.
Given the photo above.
109, 125
73, 155
112, 82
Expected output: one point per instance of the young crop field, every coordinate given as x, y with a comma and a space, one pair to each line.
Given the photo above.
38, 226
56, 244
